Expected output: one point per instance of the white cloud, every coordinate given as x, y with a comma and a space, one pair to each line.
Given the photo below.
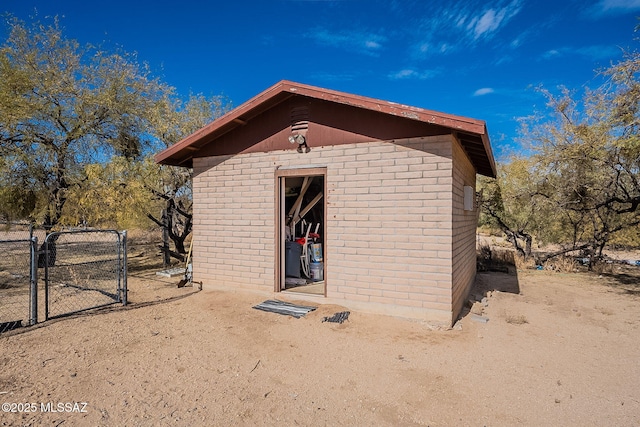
354, 41
606, 6
403, 74
372, 44
483, 91
410, 73
423, 48
449, 27
421, 51
553, 53
486, 23
491, 20
594, 52
332, 77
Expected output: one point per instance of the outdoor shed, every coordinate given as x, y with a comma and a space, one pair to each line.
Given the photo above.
337, 198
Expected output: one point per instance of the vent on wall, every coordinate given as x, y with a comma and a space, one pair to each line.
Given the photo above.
469, 196
299, 119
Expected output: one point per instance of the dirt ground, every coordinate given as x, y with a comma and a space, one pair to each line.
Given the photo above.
557, 349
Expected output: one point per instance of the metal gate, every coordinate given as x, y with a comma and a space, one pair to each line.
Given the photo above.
83, 270
18, 285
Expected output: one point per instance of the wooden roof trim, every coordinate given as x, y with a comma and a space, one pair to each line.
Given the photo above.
234, 118
183, 151
489, 153
428, 116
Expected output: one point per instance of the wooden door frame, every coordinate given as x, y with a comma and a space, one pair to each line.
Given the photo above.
280, 175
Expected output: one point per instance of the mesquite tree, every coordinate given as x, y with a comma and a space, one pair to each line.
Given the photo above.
172, 185
81, 124
582, 177
63, 106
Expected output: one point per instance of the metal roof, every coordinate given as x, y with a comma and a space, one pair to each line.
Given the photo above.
472, 133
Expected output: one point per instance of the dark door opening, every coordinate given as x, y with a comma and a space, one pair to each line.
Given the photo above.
301, 224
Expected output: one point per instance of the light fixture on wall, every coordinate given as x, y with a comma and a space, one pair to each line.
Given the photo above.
301, 141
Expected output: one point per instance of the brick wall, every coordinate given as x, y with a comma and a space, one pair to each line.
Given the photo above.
464, 230
389, 223
233, 209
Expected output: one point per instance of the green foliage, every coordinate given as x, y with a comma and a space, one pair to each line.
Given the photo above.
581, 185
113, 195
63, 106
509, 202
178, 119
17, 199
16, 203
172, 185
589, 158
629, 239
508, 196
78, 126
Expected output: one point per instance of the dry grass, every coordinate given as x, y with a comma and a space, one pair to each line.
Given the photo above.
561, 264
490, 231
516, 319
503, 256
496, 256
139, 236
602, 267
484, 252
523, 263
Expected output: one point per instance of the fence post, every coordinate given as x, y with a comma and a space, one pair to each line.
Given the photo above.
124, 268
33, 279
45, 257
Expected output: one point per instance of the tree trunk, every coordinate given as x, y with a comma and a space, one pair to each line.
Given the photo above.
564, 251
528, 244
166, 257
172, 231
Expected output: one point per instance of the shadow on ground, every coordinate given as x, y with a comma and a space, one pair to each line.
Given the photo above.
625, 279
496, 272
492, 275
497, 281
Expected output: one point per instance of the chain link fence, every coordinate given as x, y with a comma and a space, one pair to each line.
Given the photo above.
18, 306
83, 270
79, 270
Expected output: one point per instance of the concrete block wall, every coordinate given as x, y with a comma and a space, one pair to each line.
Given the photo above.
388, 236
233, 210
464, 230
389, 226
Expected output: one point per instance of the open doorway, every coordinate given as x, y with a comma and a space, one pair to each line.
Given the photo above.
301, 231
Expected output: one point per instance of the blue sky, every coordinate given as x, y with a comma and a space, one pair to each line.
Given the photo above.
479, 59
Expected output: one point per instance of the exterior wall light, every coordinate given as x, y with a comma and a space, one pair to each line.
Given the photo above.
301, 141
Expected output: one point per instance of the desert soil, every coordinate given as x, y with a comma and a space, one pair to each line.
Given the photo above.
557, 349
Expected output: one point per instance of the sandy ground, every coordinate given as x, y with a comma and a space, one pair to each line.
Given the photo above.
558, 349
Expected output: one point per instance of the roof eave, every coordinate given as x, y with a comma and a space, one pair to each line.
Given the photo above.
489, 151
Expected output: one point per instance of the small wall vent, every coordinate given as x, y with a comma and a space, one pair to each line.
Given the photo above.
469, 196
299, 119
